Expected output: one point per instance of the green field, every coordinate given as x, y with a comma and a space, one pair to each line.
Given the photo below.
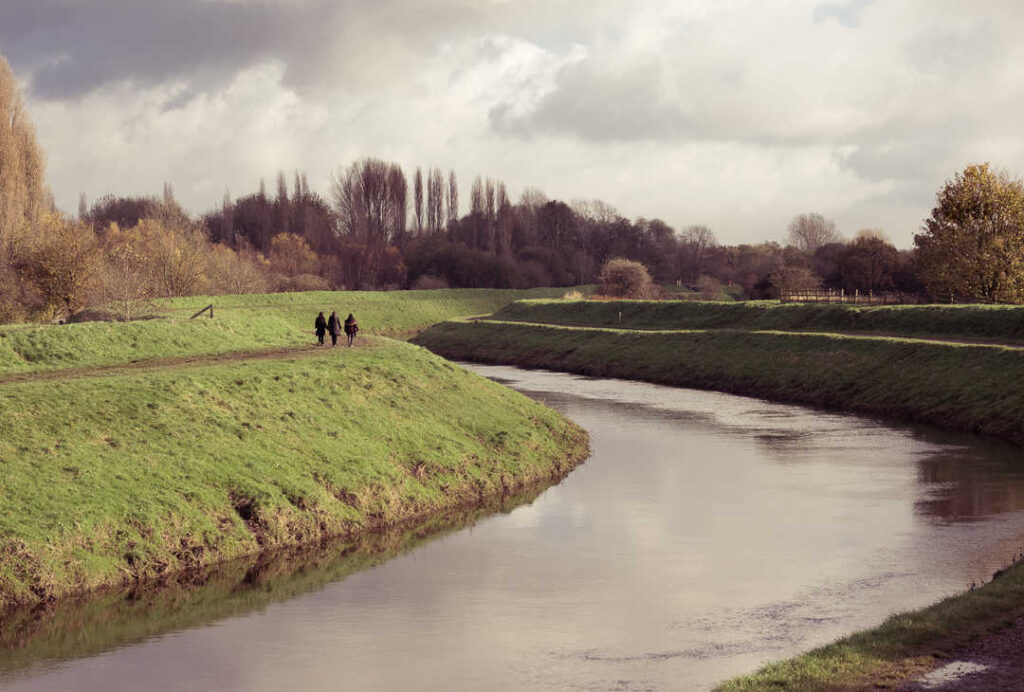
241, 323
985, 322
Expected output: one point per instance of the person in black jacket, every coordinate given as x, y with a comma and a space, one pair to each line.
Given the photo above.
321, 328
351, 328
334, 328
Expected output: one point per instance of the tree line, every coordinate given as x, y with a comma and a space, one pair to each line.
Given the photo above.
381, 227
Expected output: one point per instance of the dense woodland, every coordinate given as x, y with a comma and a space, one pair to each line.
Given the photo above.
379, 226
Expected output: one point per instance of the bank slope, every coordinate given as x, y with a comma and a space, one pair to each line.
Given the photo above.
1004, 323
113, 479
966, 387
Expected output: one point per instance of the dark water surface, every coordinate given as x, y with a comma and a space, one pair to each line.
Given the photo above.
706, 535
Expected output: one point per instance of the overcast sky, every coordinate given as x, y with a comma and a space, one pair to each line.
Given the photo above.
734, 114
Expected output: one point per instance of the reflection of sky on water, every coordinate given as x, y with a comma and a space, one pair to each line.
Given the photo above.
706, 535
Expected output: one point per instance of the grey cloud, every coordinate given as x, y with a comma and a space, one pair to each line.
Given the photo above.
70, 49
598, 107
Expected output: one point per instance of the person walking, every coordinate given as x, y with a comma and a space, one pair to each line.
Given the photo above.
321, 328
334, 327
351, 328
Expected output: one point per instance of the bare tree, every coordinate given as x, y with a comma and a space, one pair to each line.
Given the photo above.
490, 217
477, 211
435, 200
370, 201
808, 232
505, 222
694, 243
531, 201
417, 209
453, 201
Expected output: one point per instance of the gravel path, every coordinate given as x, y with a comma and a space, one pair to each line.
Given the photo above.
994, 663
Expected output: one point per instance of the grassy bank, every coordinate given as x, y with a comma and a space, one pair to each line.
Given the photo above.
957, 386
110, 619
113, 479
241, 323
903, 647
994, 322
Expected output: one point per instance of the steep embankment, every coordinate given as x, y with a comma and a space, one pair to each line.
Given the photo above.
958, 386
114, 478
1004, 323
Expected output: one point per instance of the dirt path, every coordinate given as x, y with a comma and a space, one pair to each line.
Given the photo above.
155, 364
963, 341
993, 663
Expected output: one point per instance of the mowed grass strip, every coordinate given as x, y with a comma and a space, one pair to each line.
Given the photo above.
112, 479
904, 647
240, 323
957, 386
990, 322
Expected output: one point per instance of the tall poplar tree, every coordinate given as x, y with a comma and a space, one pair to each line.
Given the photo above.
23, 194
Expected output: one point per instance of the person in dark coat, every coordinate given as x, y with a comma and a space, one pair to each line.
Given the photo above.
351, 328
321, 327
334, 328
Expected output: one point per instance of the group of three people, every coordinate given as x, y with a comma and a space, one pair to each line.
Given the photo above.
334, 327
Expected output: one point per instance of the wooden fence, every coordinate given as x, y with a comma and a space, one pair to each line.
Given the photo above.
830, 295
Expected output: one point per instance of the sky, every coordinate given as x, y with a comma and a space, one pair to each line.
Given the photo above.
734, 114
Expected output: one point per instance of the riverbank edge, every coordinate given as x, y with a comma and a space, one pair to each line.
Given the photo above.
249, 582
963, 387
573, 449
902, 649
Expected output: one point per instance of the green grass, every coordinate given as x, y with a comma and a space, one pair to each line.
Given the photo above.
958, 386
112, 479
994, 322
241, 323
903, 646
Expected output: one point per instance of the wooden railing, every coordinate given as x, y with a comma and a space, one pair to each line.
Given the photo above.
208, 307
830, 295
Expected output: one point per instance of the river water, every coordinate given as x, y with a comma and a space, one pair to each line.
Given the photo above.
706, 535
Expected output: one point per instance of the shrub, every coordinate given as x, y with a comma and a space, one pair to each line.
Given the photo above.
428, 282
623, 278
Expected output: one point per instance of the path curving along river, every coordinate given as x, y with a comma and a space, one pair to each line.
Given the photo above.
706, 535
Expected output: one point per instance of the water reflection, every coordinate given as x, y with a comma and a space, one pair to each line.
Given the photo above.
100, 622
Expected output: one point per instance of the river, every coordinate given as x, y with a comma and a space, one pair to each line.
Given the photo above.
706, 535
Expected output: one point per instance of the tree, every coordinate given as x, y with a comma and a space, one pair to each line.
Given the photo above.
417, 206
435, 200
23, 193
793, 278
370, 198
694, 243
65, 264
453, 201
869, 262
127, 279
625, 278
291, 255
972, 245
808, 232
178, 256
